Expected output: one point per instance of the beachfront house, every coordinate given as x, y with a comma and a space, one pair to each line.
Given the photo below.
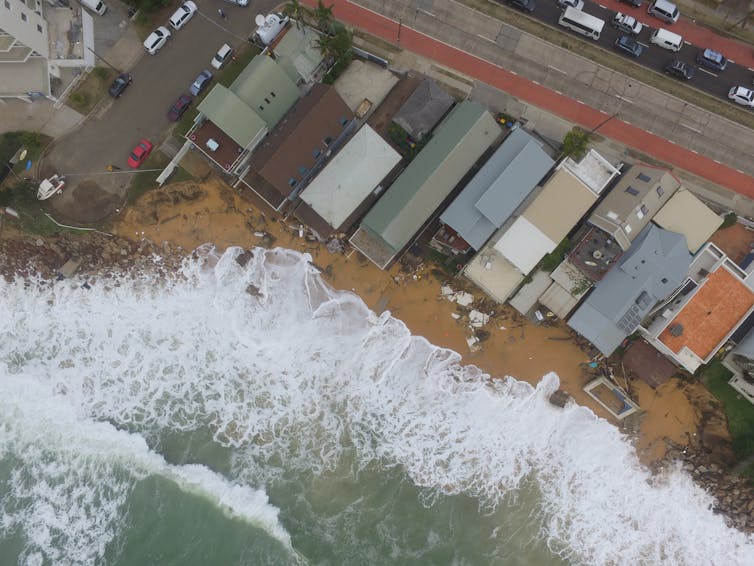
501, 266
284, 163
628, 207
232, 121
686, 214
494, 194
423, 109
411, 201
296, 50
651, 270
693, 324
349, 183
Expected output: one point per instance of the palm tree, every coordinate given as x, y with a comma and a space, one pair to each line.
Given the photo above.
294, 10
325, 18
336, 45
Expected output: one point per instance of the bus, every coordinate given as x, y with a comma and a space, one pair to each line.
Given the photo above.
581, 22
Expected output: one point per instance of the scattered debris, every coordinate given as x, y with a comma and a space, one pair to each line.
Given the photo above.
478, 319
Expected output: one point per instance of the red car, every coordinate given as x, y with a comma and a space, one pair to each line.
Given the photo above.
180, 106
139, 154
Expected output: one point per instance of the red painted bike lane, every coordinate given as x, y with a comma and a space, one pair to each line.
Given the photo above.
737, 51
542, 97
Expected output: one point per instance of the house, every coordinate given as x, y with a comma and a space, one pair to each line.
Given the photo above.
296, 51
459, 141
654, 266
637, 196
741, 362
695, 323
423, 109
513, 252
41, 42
298, 147
233, 120
335, 198
496, 191
686, 214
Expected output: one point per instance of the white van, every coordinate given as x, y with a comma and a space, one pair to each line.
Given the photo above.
96, 6
581, 22
666, 39
664, 10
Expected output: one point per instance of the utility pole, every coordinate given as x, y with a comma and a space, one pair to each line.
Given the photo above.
113, 67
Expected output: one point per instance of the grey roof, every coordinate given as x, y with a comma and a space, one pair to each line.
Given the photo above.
423, 109
745, 347
653, 267
498, 189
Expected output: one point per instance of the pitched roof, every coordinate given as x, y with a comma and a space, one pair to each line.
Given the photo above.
297, 53
652, 268
223, 108
458, 143
423, 109
710, 316
686, 214
266, 89
498, 189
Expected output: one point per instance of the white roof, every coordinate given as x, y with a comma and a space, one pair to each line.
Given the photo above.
523, 244
350, 176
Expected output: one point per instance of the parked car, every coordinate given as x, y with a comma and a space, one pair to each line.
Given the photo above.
680, 69
634, 3
578, 4
200, 83
222, 56
179, 107
182, 15
140, 153
711, 59
627, 24
156, 40
742, 95
629, 45
524, 5
120, 84
239, 2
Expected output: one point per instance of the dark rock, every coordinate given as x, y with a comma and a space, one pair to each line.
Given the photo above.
559, 398
243, 259
253, 290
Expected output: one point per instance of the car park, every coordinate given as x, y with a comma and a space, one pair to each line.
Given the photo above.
182, 15
679, 69
140, 153
578, 4
712, 60
156, 40
179, 107
741, 95
523, 5
627, 24
629, 45
200, 83
222, 56
120, 84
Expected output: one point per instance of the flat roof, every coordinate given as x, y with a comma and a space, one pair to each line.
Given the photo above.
686, 214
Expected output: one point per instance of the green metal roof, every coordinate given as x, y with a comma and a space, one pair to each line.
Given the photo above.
298, 54
231, 115
266, 88
458, 142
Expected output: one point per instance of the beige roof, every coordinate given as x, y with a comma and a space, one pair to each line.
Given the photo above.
560, 205
687, 215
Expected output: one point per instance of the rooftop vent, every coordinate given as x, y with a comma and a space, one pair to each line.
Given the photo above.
676, 330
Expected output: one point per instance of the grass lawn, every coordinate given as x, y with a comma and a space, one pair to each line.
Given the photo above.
739, 411
90, 91
145, 182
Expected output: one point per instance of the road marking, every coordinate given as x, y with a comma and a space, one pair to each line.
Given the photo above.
716, 161
688, 43
580, 102
752, 70
485, 37
560, 93
618, 96
537, 83
694, 151
556, 69
732, 61
742, 173
703, 70
430, 14
644, 44
689, 127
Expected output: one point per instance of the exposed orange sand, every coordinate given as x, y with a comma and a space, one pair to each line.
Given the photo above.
190, 215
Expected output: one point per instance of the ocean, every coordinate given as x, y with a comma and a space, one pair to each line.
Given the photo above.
251, 415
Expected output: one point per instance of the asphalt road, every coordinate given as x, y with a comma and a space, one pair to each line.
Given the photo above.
108, 136
654, 57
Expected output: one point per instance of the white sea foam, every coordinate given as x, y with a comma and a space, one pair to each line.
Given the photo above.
293, 372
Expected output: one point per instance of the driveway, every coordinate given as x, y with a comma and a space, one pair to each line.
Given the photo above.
109, 134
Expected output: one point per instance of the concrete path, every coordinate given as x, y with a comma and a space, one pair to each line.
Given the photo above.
537, 95
38, 116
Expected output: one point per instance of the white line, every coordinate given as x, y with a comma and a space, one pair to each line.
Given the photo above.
716, 161
694, 151
624, 99
644, 44
689, 128
581, 102
687, 43
731, 61
740, 171
703, 70
430, 14
560, 93
485, 37
556, 69
536, 83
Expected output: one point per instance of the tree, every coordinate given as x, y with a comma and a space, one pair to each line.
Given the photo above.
294, 10
337, 44
325, 18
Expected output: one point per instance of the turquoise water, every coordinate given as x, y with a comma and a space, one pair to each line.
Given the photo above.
191, 422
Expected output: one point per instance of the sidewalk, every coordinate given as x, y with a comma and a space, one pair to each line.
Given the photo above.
533, 93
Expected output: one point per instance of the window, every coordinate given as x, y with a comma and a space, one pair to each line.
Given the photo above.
660, 191
644, 209
644, 178
302, 170
612, 215
23, 17
292, 182
267, 100
343, 121
628, 229
316, 153
272, 93
39, 28
631, 191
327, 140
261, 107
640, 214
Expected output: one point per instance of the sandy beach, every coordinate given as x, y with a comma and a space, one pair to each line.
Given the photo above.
191, 214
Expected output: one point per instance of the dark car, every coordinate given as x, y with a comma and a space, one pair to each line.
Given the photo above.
179, 107
525, 5
120, 84
680, 69
201, 82
711, 59
634, 3
629, 46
